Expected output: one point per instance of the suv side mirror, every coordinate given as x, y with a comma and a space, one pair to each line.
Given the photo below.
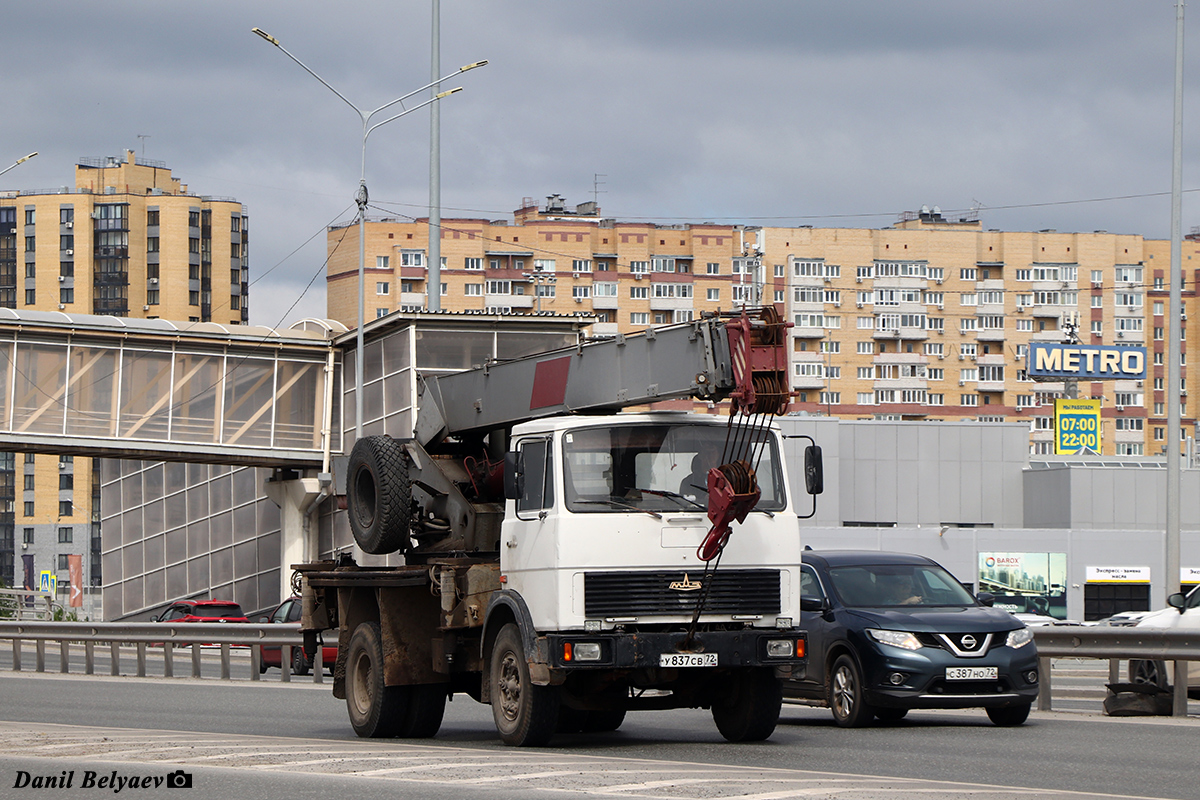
514, 475
1177, 601
986, 599
810, 603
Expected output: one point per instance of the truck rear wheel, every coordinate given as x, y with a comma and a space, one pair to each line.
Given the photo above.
379, 495
526, 715
376, 710
750, 709
426, 706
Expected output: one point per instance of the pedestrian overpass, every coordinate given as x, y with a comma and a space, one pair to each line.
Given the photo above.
168, 391
151, 390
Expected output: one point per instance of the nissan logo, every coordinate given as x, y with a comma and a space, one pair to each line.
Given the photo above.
968, 642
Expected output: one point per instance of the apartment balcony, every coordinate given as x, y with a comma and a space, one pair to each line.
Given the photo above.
604, 302
991, 386
670, 303
605, 329
900, 384
808, 333
412, 299
1048, 311
513, 300
990, 335
808, 382
1129, 436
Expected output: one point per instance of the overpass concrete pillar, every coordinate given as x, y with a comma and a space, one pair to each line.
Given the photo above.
297, 499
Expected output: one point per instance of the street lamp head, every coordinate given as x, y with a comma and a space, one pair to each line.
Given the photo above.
447, 93
266, 36
473, 66
26, 158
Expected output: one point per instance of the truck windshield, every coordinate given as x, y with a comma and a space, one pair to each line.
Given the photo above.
657, 468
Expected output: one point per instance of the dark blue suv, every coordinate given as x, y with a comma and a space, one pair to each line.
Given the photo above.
888, 632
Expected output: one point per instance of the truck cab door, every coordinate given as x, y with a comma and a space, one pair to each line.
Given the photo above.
533, 503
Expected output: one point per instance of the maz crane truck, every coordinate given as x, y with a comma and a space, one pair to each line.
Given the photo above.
567, 562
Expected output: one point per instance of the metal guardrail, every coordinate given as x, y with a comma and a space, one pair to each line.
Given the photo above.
161, 636
27, 604
1115, 645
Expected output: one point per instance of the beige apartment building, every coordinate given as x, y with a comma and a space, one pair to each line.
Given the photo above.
128, 240
928, 319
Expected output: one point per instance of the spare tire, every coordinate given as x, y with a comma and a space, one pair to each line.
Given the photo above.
379, 495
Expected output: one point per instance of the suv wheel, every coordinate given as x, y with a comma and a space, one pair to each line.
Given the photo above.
850, 709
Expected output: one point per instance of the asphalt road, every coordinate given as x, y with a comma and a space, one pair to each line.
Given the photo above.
274, 740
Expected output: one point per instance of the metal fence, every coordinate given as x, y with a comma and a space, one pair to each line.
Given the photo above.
1115, 645
155, 637
23, 604
1059, 641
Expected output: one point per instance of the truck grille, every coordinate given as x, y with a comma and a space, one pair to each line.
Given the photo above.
634, 594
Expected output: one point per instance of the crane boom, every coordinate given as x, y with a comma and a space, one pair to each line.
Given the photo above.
712, 358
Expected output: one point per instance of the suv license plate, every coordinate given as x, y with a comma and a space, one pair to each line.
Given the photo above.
972, 673
687, 659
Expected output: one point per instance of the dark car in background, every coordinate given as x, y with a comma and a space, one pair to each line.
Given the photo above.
289, 611
202, 611
890, 632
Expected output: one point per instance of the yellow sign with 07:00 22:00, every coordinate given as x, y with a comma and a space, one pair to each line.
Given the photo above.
1076, 426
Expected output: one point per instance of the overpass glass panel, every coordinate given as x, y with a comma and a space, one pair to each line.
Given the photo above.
91, 391
249, 396
194, 392
40, 383
145, 394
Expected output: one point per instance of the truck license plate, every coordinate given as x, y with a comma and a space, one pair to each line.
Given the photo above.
971, 673
687, 659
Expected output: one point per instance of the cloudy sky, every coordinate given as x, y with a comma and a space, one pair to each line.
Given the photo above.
1042, 114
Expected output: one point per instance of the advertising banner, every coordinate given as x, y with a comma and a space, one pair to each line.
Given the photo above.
1032, 583
1076, 426
75, 566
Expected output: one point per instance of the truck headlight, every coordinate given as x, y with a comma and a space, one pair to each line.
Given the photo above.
780, 648
901, 639
585, 651
1019, 638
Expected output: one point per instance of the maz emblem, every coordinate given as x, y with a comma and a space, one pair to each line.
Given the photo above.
685, 585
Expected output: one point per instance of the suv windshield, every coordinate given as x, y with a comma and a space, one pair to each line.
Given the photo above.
657, 468
917, 585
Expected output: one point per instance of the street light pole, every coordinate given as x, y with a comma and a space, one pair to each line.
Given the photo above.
361, 196
18, 162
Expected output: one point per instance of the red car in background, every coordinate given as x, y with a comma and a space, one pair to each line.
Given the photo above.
202, 611
289, 611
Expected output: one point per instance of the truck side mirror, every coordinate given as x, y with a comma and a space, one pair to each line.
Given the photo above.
814, 471
1177, 601
514, 475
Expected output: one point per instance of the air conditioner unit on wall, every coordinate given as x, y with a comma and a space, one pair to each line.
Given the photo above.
1120, 408
858, 279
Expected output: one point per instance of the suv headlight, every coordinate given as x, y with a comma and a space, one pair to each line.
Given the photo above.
1019, 638
901, 639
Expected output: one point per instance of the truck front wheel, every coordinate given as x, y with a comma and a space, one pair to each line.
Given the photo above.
526, 715
376, 711
749, 711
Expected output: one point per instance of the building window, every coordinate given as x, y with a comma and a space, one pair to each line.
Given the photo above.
635, 318
381, 262
383, 287
30, 297
473, 263
63, 563
27, 536
473, 289
29, 508
381, 312
412, 258
65, 535
193, 298
581, 265
712, 268
66, 508
543, 265
638, 267
152, 217
66, 480
66, 295
29, 482
152, 244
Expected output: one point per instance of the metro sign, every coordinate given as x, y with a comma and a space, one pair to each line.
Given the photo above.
1086, 362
